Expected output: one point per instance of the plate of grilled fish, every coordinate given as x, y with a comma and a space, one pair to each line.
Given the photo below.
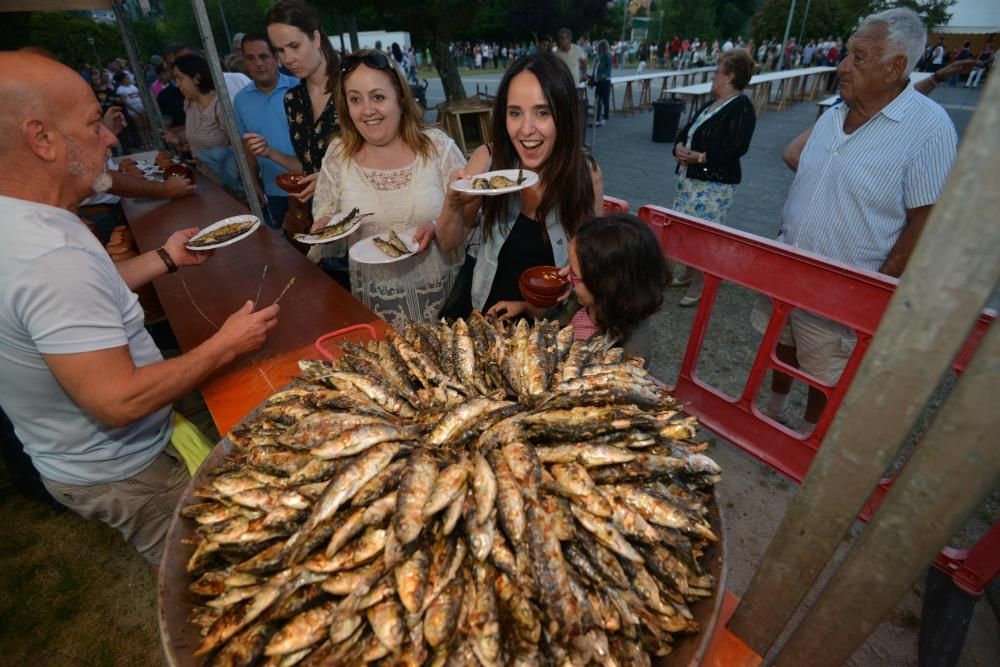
496, 182
451, 491
224, 232
384, 248
340, 225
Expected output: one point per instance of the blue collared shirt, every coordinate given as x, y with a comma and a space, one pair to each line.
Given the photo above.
264, 114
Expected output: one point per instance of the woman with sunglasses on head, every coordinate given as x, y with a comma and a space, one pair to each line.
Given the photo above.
536, 127
388, 163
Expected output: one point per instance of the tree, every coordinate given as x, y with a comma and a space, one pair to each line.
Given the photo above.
65, 34
838, 17
826, 17
933, 12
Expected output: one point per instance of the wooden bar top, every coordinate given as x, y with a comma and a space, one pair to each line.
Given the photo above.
197, 300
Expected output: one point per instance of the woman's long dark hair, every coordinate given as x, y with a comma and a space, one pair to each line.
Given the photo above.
623, 269
566, 176
301, 15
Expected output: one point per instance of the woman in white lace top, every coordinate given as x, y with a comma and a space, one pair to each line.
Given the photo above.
386, 162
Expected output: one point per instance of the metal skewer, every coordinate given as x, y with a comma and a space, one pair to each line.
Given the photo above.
260, 287
290, 283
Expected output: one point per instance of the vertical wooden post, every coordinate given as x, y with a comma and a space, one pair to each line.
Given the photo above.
953, 467
953, 271
228, 114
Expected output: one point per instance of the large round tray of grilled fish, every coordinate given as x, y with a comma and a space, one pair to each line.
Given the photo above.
463, 494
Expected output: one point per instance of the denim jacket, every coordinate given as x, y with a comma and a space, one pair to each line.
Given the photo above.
489, 250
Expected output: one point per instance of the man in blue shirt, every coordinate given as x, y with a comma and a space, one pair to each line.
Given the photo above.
260, 115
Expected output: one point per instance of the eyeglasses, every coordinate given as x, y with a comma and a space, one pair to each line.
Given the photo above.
373, 60
573, 278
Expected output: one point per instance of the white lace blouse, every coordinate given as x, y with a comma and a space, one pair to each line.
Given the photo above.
400, 199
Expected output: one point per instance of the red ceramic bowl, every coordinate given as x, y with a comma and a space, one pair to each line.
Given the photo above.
290, 181
539, 300
544, 280
178, 171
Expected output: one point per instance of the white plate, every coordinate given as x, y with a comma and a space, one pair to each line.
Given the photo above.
313, 239
220, 223
465, 184
365, 251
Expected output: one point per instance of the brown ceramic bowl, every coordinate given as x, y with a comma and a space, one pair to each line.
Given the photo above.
178, 171
544, 280
538, 300
290, 181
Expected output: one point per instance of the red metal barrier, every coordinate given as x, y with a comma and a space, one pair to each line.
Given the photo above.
614, 205
790, 278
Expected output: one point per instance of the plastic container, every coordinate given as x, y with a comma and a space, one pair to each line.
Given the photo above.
666, 120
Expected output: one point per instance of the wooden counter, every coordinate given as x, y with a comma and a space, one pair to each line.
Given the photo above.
197, 300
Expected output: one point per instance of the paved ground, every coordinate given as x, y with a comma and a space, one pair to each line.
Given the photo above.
754, 496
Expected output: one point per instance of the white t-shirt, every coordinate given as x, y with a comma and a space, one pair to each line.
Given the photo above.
572, 59
61, 294
130, 94
235, 82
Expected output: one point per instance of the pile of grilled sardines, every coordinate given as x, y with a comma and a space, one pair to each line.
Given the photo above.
475, 493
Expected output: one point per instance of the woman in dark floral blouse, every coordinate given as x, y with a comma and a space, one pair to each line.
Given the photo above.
305, 50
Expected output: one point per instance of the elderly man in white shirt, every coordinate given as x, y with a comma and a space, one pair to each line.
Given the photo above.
865, 182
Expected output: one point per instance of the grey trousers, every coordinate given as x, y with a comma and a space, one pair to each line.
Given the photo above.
140, 507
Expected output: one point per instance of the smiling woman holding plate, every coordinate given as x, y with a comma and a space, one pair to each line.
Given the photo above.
536, 128
387, 163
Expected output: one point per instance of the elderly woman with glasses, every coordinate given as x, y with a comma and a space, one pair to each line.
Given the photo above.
386, 162
708, 153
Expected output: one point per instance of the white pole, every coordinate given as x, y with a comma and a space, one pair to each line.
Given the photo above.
788, 28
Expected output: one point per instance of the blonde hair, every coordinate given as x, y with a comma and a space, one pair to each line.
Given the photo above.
411, 121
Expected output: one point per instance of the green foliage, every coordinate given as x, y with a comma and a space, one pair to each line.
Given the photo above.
63, 33
837, 17
933, 12
826, 17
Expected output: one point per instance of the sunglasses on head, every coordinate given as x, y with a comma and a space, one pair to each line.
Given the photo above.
373, 60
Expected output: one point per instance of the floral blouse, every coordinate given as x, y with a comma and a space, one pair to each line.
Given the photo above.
309, 136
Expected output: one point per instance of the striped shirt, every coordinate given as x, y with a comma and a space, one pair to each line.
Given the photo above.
851, 191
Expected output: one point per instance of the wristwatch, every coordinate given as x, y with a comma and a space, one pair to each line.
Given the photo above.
167, 259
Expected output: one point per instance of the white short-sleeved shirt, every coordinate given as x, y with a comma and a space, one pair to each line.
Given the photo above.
572, 59
851, 192
61, 294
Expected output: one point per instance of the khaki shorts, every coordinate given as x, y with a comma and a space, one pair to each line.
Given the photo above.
140, 507
822, 346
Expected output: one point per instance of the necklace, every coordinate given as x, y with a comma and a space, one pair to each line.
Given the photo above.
719, 102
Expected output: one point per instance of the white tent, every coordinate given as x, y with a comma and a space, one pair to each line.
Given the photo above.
972, 17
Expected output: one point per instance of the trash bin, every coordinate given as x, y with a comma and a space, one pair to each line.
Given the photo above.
666, 119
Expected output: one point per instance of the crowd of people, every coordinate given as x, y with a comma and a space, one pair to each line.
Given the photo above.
73, 342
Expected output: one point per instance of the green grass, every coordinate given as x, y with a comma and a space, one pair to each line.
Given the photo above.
72, 592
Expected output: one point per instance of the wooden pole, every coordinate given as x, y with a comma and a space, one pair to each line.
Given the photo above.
151, 107
952, 469
951, 275
228, 114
